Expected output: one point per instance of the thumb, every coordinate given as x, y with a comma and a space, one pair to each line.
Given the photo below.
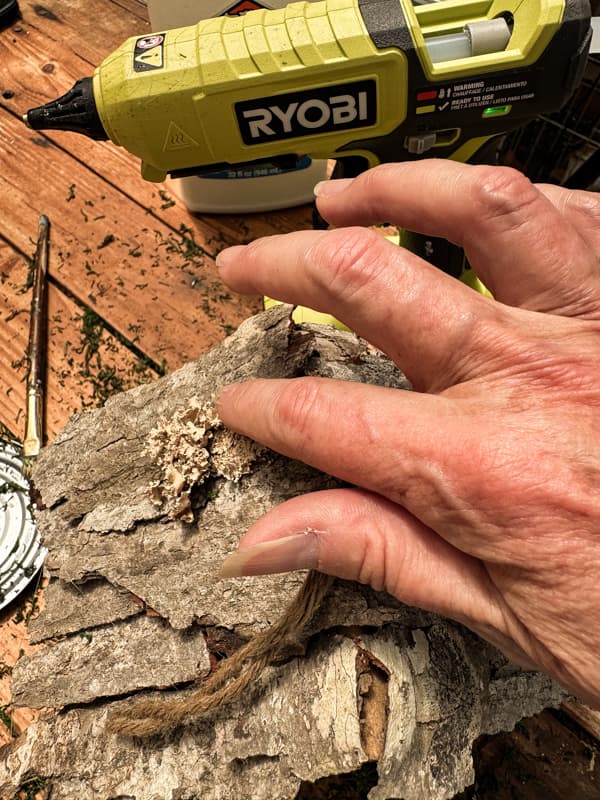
361, 536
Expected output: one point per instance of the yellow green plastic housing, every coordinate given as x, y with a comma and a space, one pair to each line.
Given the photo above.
174, 105
182, 114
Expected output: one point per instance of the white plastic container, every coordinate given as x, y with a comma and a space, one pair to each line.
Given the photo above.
250, 189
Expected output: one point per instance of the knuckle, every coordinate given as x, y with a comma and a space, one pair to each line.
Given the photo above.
588, 206
378, 178
255, 249
295, 409
504, 195
345, 262
371, 562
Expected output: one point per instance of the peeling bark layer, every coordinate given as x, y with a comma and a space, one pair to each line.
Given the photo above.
134, 605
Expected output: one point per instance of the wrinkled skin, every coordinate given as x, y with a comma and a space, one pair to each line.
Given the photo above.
479, 492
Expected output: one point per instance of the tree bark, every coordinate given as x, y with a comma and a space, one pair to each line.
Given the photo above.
143, 499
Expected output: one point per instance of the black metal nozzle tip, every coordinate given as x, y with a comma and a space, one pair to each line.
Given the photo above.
9, 12
74, 111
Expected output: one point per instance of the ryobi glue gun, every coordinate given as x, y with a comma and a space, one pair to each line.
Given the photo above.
361, 81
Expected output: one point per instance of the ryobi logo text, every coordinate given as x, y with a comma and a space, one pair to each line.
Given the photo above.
284, 116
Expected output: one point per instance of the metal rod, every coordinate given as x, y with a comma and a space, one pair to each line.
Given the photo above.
36, 349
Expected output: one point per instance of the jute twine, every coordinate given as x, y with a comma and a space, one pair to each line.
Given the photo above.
224, 686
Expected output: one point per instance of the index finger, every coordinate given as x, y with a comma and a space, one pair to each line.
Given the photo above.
434, 327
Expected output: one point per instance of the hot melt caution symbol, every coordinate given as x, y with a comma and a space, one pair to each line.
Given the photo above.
177, 138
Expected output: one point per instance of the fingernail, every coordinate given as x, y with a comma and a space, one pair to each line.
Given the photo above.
333, 186
299, 551
228, 254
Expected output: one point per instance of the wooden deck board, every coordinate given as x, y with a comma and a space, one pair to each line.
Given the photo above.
89, 34
85, 361
148, 282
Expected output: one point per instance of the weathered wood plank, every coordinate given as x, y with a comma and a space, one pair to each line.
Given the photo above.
155, 287
136, 7
85, 362
89, 29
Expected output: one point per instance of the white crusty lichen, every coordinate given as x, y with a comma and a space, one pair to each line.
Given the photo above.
191, 447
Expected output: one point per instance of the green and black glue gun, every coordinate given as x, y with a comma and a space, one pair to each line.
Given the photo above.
361, 81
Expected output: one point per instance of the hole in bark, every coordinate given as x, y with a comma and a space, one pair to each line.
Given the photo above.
349, 786
373, 703
201, 494
32, 788
221, 643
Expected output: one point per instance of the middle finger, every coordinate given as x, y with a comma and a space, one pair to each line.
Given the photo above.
521, 245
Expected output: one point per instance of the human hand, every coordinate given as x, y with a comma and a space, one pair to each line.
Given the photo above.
480, 495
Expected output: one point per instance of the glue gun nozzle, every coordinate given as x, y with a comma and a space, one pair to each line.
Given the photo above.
74, 111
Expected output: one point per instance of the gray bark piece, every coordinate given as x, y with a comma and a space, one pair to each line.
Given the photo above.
438, 698
379, 681
172, 567
107, 662
302, 723
70, 607
312, 701
533, 689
